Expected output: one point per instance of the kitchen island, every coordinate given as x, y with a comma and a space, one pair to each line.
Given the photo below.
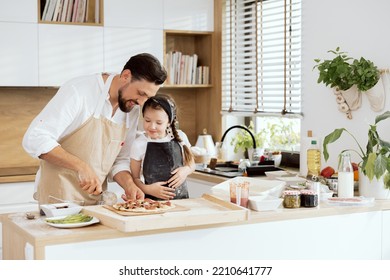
323, 233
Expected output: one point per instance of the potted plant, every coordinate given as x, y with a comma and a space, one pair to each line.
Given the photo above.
337, 73
375, 162
243, 141
349, 78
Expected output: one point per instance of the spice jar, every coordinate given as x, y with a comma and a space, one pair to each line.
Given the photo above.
309, 198
292, 199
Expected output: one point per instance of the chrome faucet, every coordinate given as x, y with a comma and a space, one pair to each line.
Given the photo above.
255, 155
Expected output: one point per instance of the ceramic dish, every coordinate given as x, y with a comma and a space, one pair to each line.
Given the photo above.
256, 187
264, 203
292, 180
73, 225
274, 174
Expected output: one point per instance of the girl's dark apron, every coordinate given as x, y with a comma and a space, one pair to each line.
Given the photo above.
97, 142
161, 158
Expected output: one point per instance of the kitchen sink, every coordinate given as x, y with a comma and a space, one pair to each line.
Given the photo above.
230, 169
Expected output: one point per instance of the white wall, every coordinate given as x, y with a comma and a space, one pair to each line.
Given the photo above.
360, 28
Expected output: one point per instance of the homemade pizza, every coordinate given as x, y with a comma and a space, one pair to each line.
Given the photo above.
144, 206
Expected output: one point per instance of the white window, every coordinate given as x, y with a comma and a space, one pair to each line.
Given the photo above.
261, 67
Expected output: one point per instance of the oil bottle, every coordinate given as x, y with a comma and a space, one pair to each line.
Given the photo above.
314, 158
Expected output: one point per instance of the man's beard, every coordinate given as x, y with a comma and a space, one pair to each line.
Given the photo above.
122, 103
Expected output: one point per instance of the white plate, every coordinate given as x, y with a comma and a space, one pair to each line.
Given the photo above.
75, 225
356, 201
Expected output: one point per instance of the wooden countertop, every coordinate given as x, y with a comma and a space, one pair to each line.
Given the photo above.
41, 233
17, 230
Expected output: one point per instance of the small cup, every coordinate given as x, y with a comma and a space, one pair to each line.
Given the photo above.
239, 192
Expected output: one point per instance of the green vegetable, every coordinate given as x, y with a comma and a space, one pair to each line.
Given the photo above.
71, 219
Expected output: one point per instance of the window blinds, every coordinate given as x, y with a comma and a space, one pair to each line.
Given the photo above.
261, 57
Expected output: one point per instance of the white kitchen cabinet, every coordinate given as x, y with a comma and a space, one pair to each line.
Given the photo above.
19, 54
122, 43
386, 235
133, 13
16, 197
68, 51
189, 15
19, 11
354, 236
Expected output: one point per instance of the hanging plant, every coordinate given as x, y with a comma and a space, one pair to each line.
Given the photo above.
336, 72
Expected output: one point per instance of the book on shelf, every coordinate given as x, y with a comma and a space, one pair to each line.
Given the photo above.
50, 10
183, 69
64, 11
74, 12
202, 75
69, 11
44, 12
92, 11
97, 11
57, 10
80, 16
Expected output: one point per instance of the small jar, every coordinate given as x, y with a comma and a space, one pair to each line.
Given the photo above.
309, 198
292, 199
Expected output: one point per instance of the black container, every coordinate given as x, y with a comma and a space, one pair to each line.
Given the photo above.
309, 198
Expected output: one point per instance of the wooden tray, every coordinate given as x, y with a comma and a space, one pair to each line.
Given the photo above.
124, 213
206, 210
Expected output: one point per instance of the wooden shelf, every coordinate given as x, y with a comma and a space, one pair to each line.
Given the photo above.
193, 106
95, 17
189, 43
187, 86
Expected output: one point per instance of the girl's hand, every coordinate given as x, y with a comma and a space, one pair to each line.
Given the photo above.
179, 175
160, 190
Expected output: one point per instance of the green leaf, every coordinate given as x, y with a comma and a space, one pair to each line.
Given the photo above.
330, 138
370, 166
380, 166
386, 180
382, 117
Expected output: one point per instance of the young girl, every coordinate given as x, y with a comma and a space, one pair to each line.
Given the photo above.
161, 154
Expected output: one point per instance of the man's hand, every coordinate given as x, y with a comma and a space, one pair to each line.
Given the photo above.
89, 182
132, 192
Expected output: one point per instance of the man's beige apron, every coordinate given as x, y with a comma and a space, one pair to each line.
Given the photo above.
97, 142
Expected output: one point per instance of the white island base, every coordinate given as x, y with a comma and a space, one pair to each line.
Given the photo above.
324, 233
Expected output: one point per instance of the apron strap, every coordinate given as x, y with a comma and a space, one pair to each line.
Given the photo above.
104, 91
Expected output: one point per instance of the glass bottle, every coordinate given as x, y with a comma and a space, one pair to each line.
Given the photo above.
313, 159
345, 187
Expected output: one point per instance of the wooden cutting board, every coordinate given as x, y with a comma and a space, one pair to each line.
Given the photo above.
206, 210
125, 213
